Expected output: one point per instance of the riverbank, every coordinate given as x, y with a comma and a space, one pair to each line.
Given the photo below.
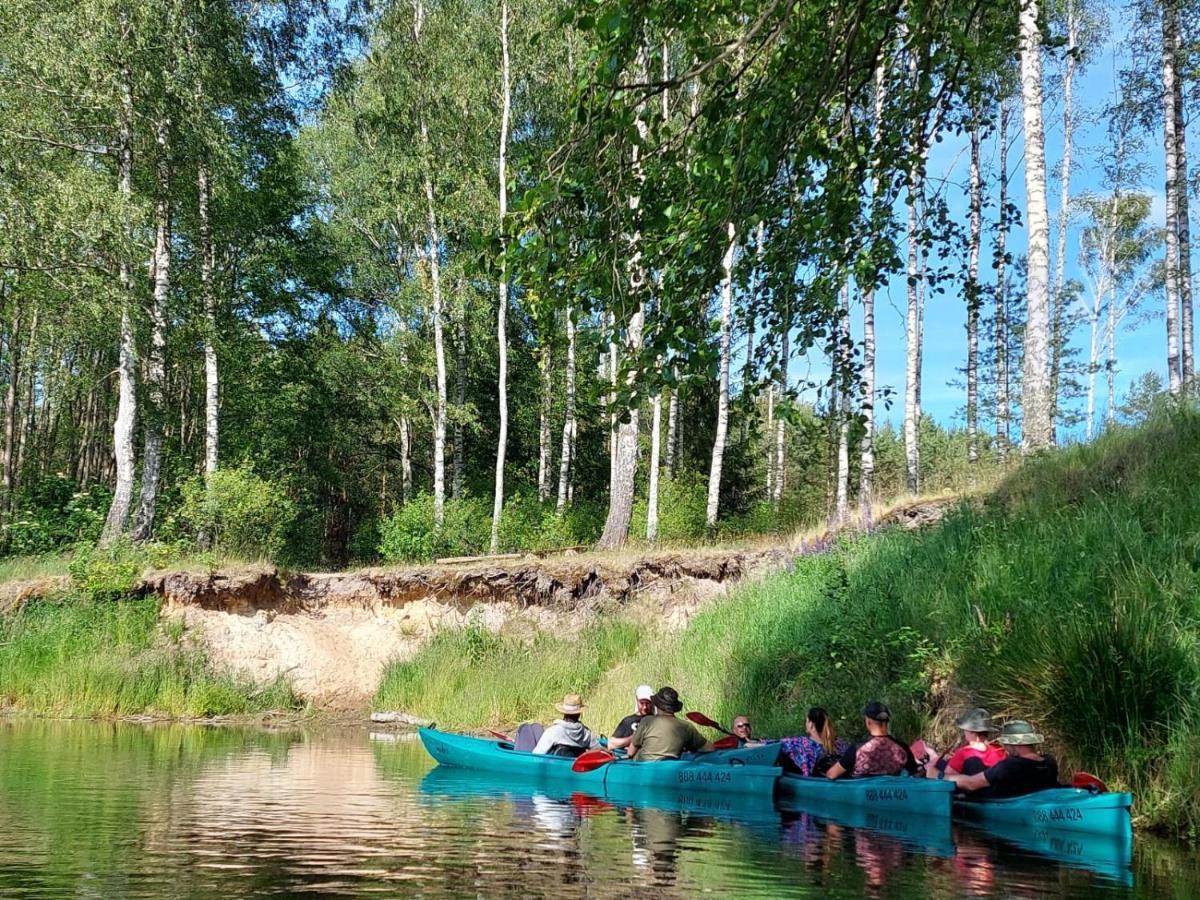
1069, 596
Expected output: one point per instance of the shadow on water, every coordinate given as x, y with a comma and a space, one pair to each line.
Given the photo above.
108, 810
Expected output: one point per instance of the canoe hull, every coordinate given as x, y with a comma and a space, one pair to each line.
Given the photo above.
1069, 810
719, 772
883, 794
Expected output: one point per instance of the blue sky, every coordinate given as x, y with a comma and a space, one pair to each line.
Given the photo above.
1141, 346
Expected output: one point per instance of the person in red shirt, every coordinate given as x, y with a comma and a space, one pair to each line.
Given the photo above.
978, 752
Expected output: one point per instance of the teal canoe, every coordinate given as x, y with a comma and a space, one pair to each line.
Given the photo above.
885, 794
930, 834
1057, 809
720, 771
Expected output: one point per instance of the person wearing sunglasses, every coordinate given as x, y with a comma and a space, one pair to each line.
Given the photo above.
744, 732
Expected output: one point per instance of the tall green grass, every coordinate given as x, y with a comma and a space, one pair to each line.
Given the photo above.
83, 657
1070, 596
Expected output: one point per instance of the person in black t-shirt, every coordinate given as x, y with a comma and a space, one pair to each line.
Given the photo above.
1023, 771
879, 754
622, 735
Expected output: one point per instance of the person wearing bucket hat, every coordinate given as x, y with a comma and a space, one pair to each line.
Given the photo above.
622, 735
568, 736
663, 736
880, 753
1023, 770
978, 752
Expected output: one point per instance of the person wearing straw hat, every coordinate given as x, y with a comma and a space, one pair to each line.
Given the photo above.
568, 736
622, 735
663, 736
1023, 771
977, 752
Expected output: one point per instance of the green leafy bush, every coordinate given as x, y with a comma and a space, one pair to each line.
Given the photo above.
107, 573
53, 514
237, 512
409, 534
682, 503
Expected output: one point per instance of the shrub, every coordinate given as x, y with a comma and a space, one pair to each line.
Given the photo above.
53, 514
682, 504
236, 512
409, 535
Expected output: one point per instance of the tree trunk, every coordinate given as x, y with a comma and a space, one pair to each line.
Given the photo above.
751, 320
672, 431
439, 351
866, 483
1110, 366
624, 459
1183, 220
770, 441
156, 373
10, 409
1170, 26
460, 386
501, 317
652, 488
843, 407
718, 451
912, 343
779, 458
1093, 362
212, 383
545, 453
118, 510
1035, 385
27, 418
1003, 415
973, 295
1064, 211
567, 451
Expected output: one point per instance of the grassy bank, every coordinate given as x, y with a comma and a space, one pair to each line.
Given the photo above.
1069, 595
78, 656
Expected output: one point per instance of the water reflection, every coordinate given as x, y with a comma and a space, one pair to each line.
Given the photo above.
107, 810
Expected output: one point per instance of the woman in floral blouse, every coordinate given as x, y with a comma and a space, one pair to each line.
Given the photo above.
814, 753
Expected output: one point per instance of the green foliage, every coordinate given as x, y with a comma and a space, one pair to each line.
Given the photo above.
87, 658
235, 511
530, 524
682, 505
53, 514
472, 677
410, 536
110, 572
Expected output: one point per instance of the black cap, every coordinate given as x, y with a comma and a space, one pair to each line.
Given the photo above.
667, 700
877, 711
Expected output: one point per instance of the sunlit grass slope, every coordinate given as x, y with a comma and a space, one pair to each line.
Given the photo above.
1069, 595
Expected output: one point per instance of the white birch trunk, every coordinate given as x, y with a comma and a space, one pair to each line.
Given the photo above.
652, 488
912, 356
1183, 220
118, 510
10, 408
1003, 413
1064, 211
672, 432
769, 443
212, 381
501, 318
545, 454
156, 363
460, 386
973, 295
1110, 366
567, 450
624, 458
1035, 387
718, 451
843, 408
779, 457
866, 483
1093, 363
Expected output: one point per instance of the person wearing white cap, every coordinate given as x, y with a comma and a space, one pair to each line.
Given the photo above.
622, 735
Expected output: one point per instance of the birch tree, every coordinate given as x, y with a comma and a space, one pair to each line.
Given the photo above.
502, 312
1035, 385
1064, 210
1000, 311
722, 429
973, 291
567, 450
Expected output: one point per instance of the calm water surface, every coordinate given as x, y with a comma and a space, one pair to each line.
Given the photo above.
117, 810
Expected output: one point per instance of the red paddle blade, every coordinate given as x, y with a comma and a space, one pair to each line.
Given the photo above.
1089, 781
701, 719
726, 743
591, 760
500, 734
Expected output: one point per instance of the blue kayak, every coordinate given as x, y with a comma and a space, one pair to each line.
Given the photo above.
930, 834
891, 794
1057, 809
720, 771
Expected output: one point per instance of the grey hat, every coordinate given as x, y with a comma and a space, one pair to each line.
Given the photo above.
977, 720
1018, 732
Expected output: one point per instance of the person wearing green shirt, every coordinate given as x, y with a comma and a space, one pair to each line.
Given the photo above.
663, 735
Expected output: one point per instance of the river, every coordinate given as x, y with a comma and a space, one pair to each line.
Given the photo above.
111, 810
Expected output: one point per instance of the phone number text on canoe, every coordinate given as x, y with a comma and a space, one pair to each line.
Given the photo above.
706, 775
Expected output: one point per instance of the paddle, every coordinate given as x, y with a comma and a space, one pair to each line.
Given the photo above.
701, 719
726, 743
1090, 782
499, 734
591, 760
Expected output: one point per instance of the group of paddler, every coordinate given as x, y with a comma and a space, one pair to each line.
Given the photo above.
989, 761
